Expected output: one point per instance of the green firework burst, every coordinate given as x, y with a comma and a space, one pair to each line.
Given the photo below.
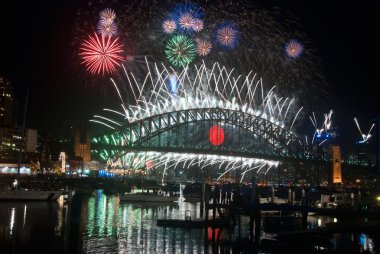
180, 50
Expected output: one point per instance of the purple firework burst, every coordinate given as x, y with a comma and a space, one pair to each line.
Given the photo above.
294, 48
227, 35
107, 29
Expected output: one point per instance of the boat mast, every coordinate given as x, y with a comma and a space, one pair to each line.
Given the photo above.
22, 132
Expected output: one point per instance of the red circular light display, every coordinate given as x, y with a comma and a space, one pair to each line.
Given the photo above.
216, 135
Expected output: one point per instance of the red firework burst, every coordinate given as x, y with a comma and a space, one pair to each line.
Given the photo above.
101, 55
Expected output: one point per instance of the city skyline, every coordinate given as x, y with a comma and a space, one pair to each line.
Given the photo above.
39, 57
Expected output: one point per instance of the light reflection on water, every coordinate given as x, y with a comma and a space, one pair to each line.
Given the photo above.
112, 226
103, 224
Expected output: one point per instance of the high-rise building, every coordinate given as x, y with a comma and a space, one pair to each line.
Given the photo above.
10, 135
7, 103
10, 144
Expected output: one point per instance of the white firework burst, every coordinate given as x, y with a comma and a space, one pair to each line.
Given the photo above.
107, 16
365, 137
202, 86
169, 161
169, 26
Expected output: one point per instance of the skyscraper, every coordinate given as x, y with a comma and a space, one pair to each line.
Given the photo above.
7, 103
10, 135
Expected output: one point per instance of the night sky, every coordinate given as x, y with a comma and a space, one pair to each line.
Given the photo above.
36, 53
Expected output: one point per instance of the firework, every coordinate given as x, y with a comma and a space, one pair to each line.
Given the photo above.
169, 26
186, 15
173, 84
149, 164
264, 32
107, 16
101, 55
293, 48
219, 89
227, 35
107, 29
188, 160
203, 47
197, 25
322, 133
263, 35
180, 50
365, 137
186, 21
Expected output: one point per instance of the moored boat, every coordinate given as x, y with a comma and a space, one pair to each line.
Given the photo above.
146, 197
42, 195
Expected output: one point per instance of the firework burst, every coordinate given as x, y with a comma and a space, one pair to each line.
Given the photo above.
197, 25
219, 89
180, 50
169, 26
322, 133
227, 35
107, 16
263, 34
107, 29
101, 55
203, 47
294, 48
186, 15
186, 21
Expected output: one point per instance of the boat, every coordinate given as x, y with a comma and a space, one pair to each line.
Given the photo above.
24, 194
146, 197
31, 190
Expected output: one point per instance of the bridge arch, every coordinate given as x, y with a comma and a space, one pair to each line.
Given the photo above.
146, 134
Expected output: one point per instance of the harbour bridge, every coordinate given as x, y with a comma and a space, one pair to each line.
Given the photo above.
201, 117
190, 131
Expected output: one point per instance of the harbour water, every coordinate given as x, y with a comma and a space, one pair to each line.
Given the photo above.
102, 224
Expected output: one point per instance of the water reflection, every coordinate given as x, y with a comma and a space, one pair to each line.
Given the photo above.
102, 224
366, 243
114, 227
28, 226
